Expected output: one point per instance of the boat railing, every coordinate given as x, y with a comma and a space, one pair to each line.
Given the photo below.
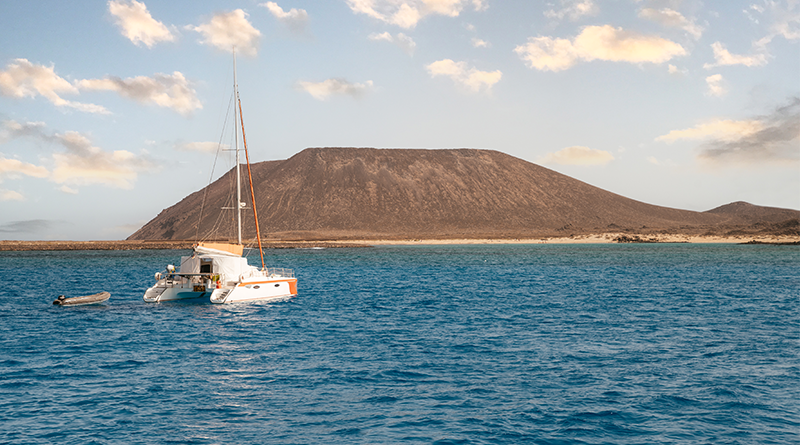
174, 280
180, 279
270, 272
279, 272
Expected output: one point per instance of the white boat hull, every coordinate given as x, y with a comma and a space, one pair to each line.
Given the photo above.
248, 289
256, 290
163, 292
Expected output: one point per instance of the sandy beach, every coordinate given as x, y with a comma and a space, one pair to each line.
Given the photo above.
605, 238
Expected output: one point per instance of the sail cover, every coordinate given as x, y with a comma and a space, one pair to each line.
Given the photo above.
219, 249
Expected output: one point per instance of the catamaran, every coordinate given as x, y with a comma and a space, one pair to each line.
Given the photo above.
218, 271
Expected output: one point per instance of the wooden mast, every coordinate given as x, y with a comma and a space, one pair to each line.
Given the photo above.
250, 176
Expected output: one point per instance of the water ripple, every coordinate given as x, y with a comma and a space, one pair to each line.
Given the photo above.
427, 344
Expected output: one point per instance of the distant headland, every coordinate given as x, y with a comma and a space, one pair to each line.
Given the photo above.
397, 195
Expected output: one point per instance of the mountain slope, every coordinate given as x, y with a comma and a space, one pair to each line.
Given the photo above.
746, 213
366, 192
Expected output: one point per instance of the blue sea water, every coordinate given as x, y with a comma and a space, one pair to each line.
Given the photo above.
541, 344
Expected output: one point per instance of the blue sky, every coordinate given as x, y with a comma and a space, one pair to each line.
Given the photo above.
110, 111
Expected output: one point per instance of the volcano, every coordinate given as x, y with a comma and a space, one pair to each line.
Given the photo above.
368, 193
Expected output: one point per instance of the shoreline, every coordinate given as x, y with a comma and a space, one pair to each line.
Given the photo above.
34, 246
605, 238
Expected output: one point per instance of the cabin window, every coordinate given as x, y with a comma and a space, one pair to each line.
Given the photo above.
205, 267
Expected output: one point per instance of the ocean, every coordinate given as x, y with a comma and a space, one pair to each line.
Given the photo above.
498, 344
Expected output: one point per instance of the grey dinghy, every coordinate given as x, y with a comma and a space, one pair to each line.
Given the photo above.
84, 300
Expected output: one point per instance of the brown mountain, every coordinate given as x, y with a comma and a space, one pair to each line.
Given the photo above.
323, 193
745, 213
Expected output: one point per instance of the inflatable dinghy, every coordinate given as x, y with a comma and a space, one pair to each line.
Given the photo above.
84, 300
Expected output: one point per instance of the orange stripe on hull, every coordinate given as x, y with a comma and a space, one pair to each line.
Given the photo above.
292, 283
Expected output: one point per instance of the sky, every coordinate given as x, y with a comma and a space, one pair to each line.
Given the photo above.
111, 111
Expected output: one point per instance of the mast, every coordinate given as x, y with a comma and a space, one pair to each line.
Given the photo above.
252, 192
238, 174
249, 174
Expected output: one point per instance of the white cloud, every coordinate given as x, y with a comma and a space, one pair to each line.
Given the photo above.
382, 36
671, 18
573, 9
548, 54
10, 195
672, 69
323, 90
479, 43
578, 155
366, 7
406, 16
776, 141
14, 167
295, 19
716, 85
720, 129
617, 45
227, 30
25, 79
403, 41
597, 43
407, 13
83, 164
723, 57
170, 91
137, 24
784, 21
653, 160
772, 138
470, 78
22, 78
203, 147
13, 130
68, 190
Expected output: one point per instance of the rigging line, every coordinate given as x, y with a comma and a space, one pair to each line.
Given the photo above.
215, 229
222, 214
217, 232
214, 232
213, 168
250, 175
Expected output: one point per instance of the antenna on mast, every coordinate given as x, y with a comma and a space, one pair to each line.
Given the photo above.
238, 174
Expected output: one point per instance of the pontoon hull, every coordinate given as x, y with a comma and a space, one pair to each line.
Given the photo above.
162, 293
252, 289
264, 289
